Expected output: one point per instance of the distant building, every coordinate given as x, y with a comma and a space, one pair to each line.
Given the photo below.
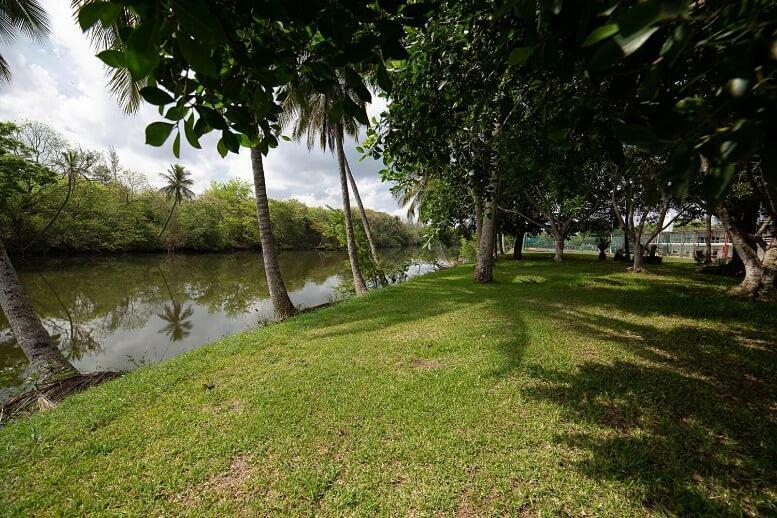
682, 243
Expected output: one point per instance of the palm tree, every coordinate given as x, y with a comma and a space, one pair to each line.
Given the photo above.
178, 188
20, 16
312, 113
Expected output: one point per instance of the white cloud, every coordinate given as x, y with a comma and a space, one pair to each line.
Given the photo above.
61, 83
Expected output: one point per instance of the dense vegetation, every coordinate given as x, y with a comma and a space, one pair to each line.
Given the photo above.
564, 389
85, 202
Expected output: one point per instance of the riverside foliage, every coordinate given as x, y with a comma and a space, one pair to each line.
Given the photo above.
92, 204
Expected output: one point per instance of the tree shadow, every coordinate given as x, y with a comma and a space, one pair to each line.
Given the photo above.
687, 415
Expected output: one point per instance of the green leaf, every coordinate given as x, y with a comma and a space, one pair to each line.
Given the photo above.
355, 111
601, 33
176, 113
142, 52
191, 136
177, 145
519, 56
221, 148
214, 119
631, 43
155, 96
157, 133
197, 20
197, 56
113, 58
286, 138
105, 12
230, 141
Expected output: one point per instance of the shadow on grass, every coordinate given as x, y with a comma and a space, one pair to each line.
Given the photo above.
688, 415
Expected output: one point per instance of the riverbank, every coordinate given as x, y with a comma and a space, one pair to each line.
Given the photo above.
565, 388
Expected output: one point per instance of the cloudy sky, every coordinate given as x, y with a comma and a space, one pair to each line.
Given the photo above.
60, 82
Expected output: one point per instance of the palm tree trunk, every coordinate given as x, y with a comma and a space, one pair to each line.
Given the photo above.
281, 303
46, 361
365, 223
358, 279
169, 216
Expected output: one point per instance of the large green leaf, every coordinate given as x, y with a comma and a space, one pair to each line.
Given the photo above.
197, 20
105, 12
155, 96
113, 58
601, 33
158, 132
190, 134
230, 141
142, 53
197, 56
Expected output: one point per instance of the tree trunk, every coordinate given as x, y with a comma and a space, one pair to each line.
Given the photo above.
484, 267
708, 240
175, 203
281, 303
518, 248
559, 255
769, 264
753, 269
46, 361
365, 224
358, 279
478, 203
639, 253
500, 240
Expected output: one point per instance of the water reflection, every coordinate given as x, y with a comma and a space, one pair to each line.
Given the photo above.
119, 312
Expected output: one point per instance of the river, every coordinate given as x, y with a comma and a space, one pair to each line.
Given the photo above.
123, 311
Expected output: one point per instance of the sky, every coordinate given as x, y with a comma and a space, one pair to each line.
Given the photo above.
60, 82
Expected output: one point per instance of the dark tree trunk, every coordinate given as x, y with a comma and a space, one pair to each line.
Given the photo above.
708, 240
358, 280
500, 243
281, 303
46, 361
518, 248
478, 203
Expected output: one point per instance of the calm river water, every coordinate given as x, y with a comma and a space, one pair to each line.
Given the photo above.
118, 312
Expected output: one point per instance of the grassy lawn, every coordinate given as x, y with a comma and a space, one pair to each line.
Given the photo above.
560, 389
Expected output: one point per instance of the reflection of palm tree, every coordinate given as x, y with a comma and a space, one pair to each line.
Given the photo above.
178, 324
79, 340
176, 315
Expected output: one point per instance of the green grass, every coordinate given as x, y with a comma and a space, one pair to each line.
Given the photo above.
560, 389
